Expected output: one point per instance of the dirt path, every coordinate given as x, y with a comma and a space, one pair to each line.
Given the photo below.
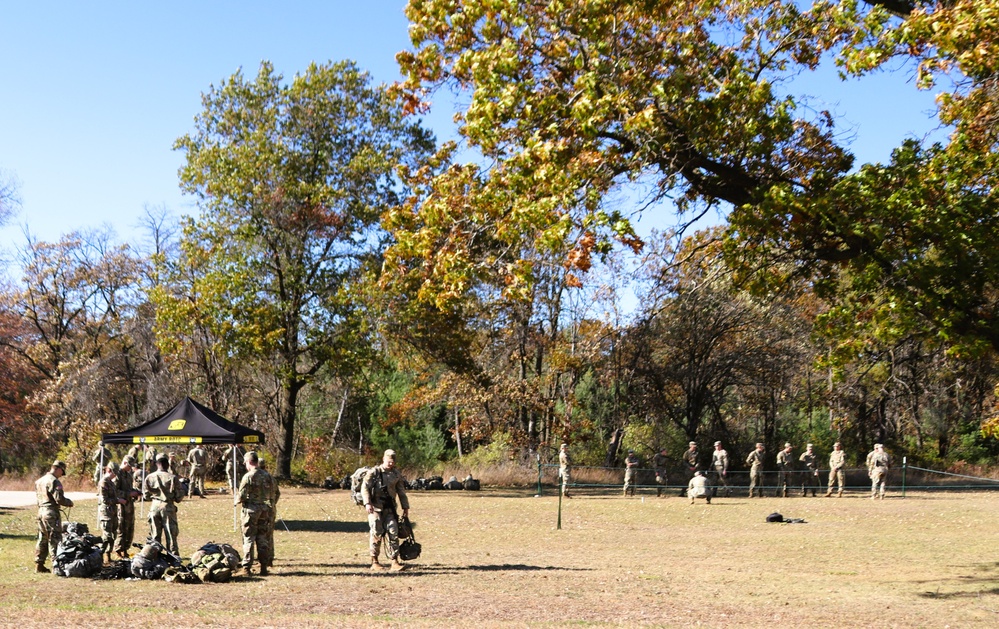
14, 499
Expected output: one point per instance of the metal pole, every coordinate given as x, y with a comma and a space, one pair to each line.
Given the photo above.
561, 491
903, 475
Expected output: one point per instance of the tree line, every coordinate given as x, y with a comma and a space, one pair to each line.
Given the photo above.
348, 282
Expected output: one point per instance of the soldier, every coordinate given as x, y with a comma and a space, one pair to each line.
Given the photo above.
837, 459
101, 457
698, 487
810, 478
878, 463
198, 458
48, 490
148, 459
659, 462
164, 490
691, 459
126, 486
564, 468
630, 472
755, 463
108, 502
275, 496
785, 467
256, 494
381, 486
719, 462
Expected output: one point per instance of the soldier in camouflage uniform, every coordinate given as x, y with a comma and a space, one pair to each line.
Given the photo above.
101, 457
630, 472
256, 494
381, 485
564, 468
719, 463
659, 463
198, 458
878, 463
698, 487
810, 476
837, 460
126, 486
108, 502
692, 461
48, 490
755, 463
164, 491
227, 458
785, 468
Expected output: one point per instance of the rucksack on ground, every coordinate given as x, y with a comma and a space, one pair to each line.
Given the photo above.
215, 563
79, 553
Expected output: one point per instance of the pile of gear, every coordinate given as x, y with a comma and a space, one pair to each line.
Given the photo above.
437, 482
79, 553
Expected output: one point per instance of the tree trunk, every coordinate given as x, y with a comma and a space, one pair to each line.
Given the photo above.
286, 443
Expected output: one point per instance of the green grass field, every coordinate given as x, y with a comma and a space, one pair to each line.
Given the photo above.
495, 558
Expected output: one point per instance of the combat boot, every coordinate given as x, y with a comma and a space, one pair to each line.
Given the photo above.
397, 565
828, 494
840, 494
375, 565
263, 571
40, 568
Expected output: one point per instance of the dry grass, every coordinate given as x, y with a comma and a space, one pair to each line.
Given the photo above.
495, 558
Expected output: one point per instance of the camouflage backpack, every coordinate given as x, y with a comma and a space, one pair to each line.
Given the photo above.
356, 481
215, 563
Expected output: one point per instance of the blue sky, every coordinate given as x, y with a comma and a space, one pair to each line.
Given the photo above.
96, 93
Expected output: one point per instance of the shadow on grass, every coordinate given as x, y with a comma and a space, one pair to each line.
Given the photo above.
356, 569
322, 526
26, 537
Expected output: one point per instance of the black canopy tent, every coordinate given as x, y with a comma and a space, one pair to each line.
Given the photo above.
189, 423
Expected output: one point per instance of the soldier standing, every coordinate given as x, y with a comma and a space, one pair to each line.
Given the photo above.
691, 460
108, 502
755, 463
564, 468
719, 462
48, 490
256, 494
275, 496
381, 485
785, 467
198, 458
630, 472
164, 490
148, 459
126, 511
878, 463
811, 473
227, 457
659, 463
837, 460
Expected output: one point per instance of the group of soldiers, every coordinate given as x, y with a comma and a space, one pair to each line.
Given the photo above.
699, 485
159, 482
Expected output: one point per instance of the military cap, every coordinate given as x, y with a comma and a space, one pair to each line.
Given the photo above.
717, 443
390, 453
60, 464
565, 445
809, 445
128, 460
162, 456
113, 467
692, 443
787, 445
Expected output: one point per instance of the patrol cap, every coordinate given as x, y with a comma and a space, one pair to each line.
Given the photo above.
113, 467
565, 445
809, 445
787, 445
162, 456
60, 464
251, 457
631, 451
879, 445
390, 453
717, 443
128, 460
692, 443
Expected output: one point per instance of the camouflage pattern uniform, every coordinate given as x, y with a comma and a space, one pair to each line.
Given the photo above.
256, 494
755, 463
630, 472
810, 478
691, 458
240, 467
50, 495
198, 458
698, 487
785, 467
107, 511
719, 463
659, 463
837, 460
101, 457
565, 469
878, 463
164, 490
126, 486
380, 488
